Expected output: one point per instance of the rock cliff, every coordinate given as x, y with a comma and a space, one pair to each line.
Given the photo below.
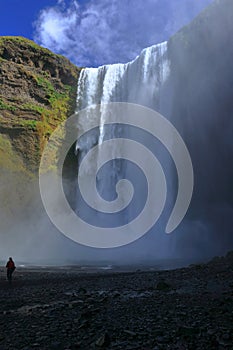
38, 90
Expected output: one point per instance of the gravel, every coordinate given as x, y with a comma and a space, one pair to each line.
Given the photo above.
186, 308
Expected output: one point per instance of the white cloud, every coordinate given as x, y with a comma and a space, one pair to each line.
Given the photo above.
108, 31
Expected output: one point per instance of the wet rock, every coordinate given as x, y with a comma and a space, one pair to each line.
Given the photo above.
161, 339
84, 324
76, 346
82, 290
187, 331
138, 320
116, 294
56, 345
229, 256
131, 333
163, 286
103, 341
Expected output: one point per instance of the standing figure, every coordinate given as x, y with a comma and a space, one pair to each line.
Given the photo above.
10, 269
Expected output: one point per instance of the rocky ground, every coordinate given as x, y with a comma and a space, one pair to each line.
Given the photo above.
188, 308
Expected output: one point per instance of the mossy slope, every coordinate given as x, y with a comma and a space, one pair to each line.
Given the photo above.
38, 91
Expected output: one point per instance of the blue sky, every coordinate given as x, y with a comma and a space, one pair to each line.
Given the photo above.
95, 32
17, 16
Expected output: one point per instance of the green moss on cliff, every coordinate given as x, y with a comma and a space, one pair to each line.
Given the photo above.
6, 106
9, 159
38, 92
19, 40
33, 107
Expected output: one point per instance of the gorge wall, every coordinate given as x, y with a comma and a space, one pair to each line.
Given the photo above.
38, 91
202, 110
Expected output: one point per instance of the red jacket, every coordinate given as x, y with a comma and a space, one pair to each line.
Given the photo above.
10, 264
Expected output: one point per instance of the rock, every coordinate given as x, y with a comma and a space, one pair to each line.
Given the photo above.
82, 290
84, 324
187, 331
34, 81
229, 256
103, 341
77, 346
38, 92
226, 336
211, 331
163, 286
56, 345
161, 339
116, 294
131, 333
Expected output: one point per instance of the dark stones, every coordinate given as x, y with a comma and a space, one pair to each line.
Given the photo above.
103, 341
198, 310
163, 286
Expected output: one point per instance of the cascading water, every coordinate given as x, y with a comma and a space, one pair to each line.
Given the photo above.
140, 81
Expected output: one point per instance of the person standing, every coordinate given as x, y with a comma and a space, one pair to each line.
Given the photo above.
10, 269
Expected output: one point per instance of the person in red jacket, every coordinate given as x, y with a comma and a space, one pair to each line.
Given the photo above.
10, 268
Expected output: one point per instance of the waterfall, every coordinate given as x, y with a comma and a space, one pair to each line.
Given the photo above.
138, 81
141, 82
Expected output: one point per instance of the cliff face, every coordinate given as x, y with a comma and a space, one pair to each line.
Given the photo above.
38, 90
201, 107
202, 101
